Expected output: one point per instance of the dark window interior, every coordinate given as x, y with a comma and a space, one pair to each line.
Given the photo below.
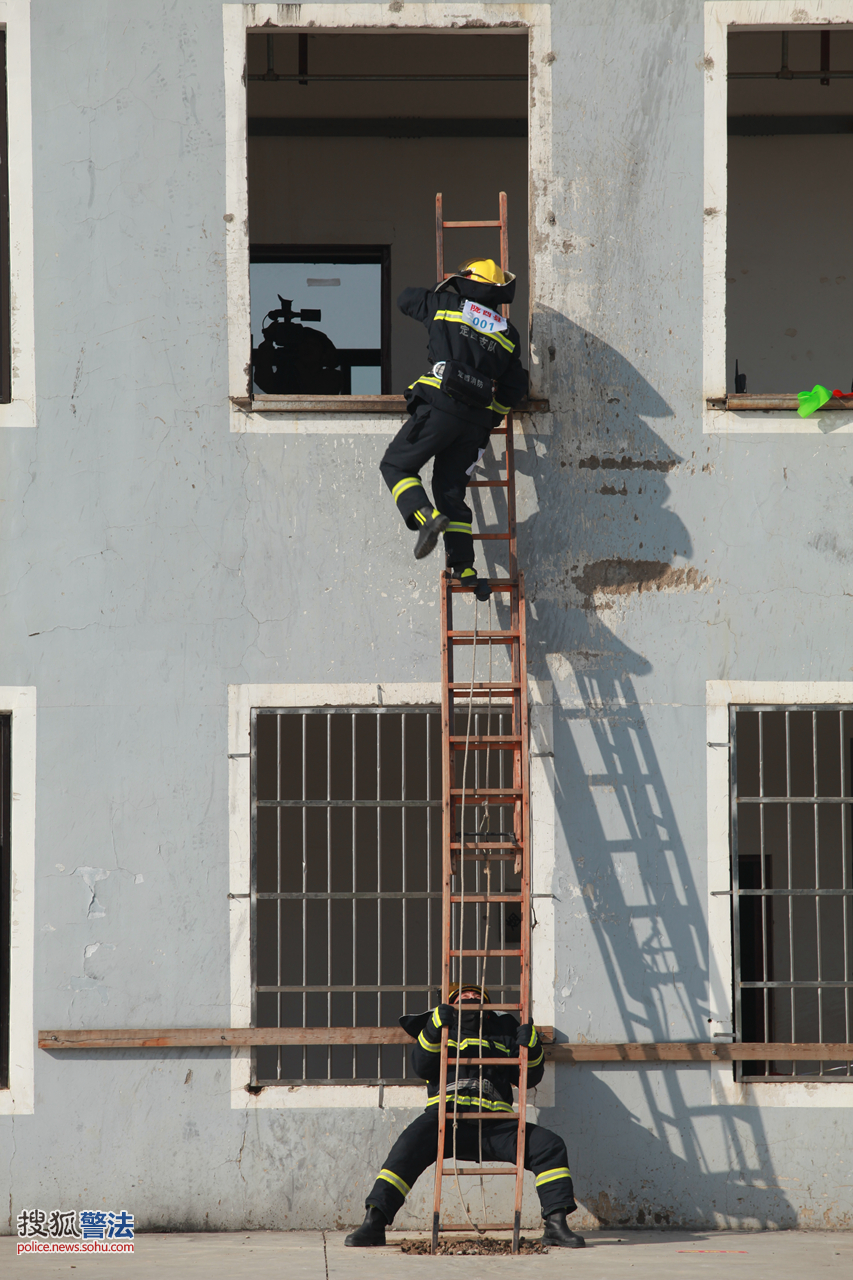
350, 136
5, 275
789, 272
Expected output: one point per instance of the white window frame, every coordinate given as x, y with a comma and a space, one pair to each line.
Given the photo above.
20, 703
720, 695
237, 20
241, 699
720, 17
15, 19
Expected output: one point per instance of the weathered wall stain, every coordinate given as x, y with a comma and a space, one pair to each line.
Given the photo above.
628, 464
625, 577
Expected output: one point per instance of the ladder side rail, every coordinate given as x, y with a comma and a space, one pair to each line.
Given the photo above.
523, 759
447, 818
439, 236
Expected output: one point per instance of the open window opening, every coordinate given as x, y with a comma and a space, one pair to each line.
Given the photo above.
789, 260
350, 136
346, 883
792, 883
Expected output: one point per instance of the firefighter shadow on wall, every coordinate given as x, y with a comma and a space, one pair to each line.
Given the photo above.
596, 535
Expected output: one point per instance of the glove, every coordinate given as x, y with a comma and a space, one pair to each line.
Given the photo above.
525, 1036
446, 1014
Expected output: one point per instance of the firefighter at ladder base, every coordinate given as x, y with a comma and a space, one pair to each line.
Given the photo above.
475, 378
415, 1149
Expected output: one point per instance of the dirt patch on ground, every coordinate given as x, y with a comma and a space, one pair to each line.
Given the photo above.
477, 1245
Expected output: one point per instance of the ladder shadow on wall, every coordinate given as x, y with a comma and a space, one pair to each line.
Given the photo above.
594, 533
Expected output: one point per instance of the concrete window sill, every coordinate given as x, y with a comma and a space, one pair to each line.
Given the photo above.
347, 404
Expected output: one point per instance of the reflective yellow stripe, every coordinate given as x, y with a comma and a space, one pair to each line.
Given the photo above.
456, 317
402, 485
500, 408
551, 1175
425, 1044
464, 1100
387, 1176
458, 526
430, 381
435, 1018
534, 1062
420, 517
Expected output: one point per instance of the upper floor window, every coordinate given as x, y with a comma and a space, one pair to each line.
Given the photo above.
350, 136
789, 256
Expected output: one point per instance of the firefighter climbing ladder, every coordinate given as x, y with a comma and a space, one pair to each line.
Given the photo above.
463, 848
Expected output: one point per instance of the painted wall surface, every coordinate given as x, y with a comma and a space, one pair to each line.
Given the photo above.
152, 558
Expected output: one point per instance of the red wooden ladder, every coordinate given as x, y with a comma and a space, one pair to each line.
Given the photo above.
458, 850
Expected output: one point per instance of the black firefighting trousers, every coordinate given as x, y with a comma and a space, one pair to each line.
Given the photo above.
454, 444
415, 1150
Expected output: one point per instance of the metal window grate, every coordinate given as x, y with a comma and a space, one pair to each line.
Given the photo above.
5, 893
346, 878
792, 885
346, 881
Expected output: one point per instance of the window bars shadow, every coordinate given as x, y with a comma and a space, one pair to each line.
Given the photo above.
792, 884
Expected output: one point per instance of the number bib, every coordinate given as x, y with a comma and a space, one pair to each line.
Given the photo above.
480, 317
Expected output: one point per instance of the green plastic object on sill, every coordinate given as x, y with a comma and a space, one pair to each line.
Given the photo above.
811, 401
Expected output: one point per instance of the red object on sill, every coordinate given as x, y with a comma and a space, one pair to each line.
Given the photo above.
843, 395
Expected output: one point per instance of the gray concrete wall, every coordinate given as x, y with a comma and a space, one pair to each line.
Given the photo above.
152, 558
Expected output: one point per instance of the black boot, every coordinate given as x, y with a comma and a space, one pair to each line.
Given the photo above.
433, 525
372, 1230
468, 577
557, 1232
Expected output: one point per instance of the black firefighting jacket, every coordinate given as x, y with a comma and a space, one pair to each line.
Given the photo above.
451, 337
498, 1041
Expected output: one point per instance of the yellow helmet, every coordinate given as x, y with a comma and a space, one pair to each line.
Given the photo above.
468, 986
485, 269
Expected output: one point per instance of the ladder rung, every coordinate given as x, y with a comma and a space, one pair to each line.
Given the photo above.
504, 686
482, 637
509, 845
475, 1171
486, 897
482, 1062
497, 1006
490, 1226
497, 584
491, 223
495, 857
514, 793
508, 743
487, 951
486, 1115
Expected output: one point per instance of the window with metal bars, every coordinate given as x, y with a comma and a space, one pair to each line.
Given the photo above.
346, 882
792, 882
5, 893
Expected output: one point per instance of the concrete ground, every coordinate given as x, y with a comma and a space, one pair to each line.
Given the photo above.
318, 1255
